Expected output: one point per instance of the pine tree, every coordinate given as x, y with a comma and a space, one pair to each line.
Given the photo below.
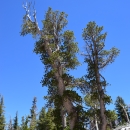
111, 117
2, 117
97, 59
42, 120
49, 120
15, 123
93, 107
122, 110
93, 112
10, 125
45, 121
24, 123
57, 49
33, 120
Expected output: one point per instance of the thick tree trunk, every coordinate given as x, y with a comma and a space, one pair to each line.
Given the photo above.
100, 90
102, 111
126, 115
67, 104
102, 104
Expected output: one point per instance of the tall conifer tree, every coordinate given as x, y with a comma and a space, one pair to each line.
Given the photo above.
10, 125
2, 117
46, 120
122, 110
15, 123
33, 120
24, 123
97, 59
57, 49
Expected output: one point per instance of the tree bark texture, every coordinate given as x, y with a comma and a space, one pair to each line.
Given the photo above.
100, 90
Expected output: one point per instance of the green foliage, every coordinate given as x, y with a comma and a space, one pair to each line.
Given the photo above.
107, 99
28, 27
91, 100
57, 49
119, 104
82, 118
10, 125
58, 101
33, 121
111, 115
2, 117
45, 121
97, 59
73, 95
95, 43
57, 118
24, 124
65, 55
56, 17
15, 124
42, 119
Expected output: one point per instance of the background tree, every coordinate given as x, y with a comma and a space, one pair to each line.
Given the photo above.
45, 121
15, 123
97, 59
50, 125
122, 110
41, 121
93, 106
2, 117
33, 120
10, 125
93, 112
57, 49
24, 123
111, 117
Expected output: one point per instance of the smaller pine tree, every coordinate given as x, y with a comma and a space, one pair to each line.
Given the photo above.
10, 125
121, 110
46, 120
41, 121
33, 120
15, 124
2, 117
24, 123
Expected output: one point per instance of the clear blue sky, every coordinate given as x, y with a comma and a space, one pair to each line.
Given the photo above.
21, 70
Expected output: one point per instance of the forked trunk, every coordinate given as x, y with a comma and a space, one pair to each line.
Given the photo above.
68, 106
100, 91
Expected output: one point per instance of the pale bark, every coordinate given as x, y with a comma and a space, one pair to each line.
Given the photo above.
63, 115
125, 113
96, 123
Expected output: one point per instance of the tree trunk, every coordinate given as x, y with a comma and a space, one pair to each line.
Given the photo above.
96, 124
100, 90
102, 111
92, 125
125, 113
67, 104
63, 115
